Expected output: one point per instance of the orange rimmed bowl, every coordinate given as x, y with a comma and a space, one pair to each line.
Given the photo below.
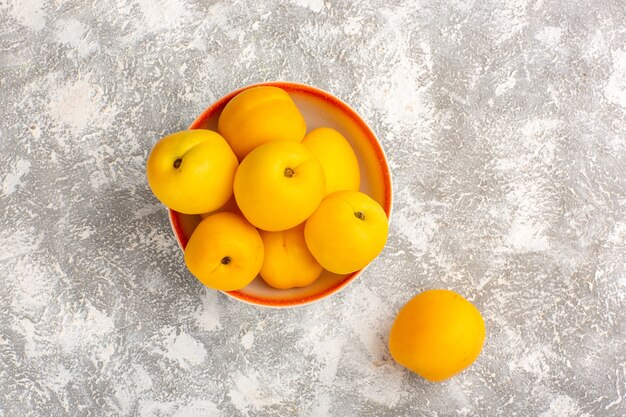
320, 109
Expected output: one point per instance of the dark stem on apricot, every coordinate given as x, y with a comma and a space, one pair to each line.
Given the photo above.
289, 172
359, 215
178, 162
226, 260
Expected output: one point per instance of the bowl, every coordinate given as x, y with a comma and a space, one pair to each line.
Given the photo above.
320, 109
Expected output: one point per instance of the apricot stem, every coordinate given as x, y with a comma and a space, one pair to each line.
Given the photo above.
289, 172
359, 215
226, 260
177, 162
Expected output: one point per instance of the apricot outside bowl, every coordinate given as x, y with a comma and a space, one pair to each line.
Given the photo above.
320, 109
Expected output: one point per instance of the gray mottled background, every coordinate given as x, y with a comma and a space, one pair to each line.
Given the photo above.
505, 127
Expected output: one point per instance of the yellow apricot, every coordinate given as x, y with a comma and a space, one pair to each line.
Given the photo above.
437, 334
278, 185
259, 115
347, 231
192, 171
225, 252
288, 263
338, 160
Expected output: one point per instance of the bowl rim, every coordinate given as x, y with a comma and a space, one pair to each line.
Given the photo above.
373, 141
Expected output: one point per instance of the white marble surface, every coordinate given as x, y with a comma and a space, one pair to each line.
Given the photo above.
505, 126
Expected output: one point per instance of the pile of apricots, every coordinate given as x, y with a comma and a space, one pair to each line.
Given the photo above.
276, 201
